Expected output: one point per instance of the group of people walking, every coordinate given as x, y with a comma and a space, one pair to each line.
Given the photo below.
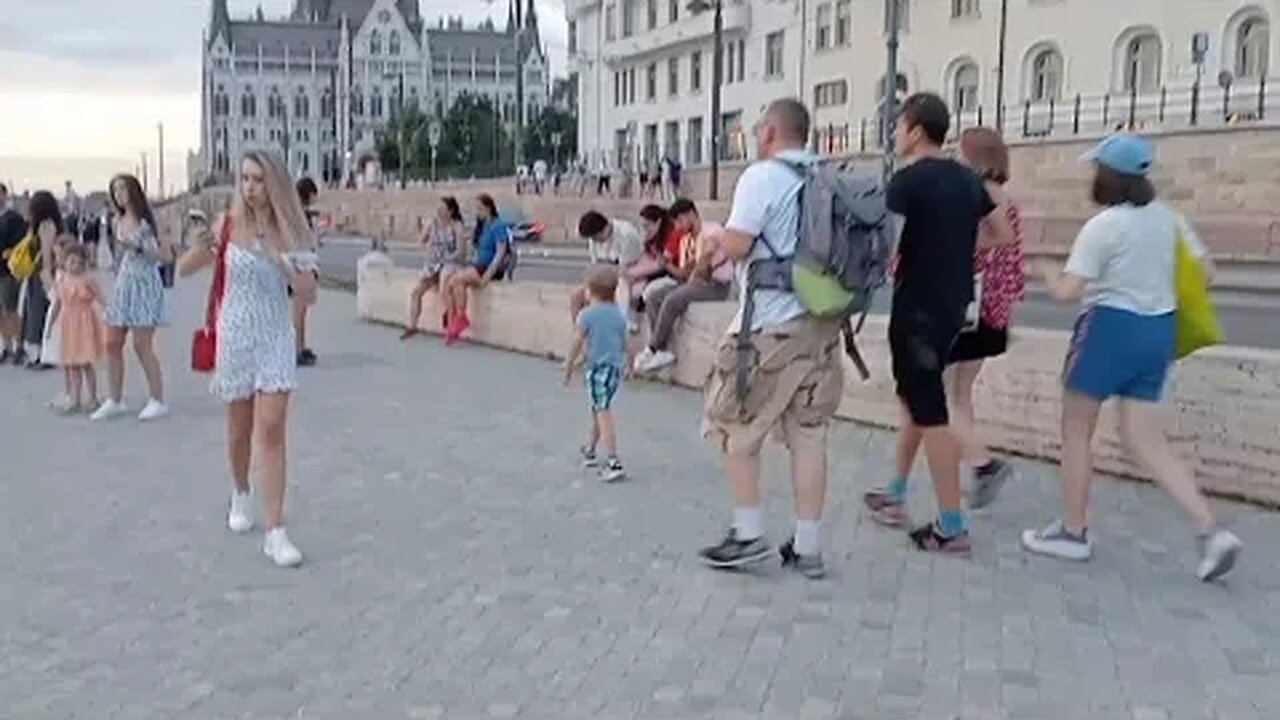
957, 274
265, 276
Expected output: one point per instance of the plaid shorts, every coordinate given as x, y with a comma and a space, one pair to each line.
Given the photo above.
602, 385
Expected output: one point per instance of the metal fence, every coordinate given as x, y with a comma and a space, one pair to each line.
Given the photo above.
1244, 103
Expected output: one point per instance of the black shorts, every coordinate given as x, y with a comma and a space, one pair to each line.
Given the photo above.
921, 343
10, 290
980, 343
498, 274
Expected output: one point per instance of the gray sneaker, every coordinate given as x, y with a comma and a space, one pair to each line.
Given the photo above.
810, 566
987, 483
735, 553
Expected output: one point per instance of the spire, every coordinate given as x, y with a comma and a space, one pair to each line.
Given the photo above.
219, 21
531, 18
511, 16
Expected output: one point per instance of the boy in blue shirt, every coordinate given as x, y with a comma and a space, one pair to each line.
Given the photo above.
602, 333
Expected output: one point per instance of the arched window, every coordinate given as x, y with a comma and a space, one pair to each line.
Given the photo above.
248, 104
326, 103
302, 105
393, 43
375, 43
1045, 75
357, 101
1253, 48
964, 87
375, 103
1142, 63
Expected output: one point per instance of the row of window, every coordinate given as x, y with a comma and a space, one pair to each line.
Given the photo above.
625, 89
630, 12
393, 42
696, 144
828, 34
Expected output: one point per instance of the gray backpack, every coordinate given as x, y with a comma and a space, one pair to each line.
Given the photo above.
842, 254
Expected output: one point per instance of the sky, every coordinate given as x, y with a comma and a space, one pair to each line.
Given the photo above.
84, 84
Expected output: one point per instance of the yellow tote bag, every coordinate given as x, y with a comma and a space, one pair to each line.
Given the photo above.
22, 258
1196, 320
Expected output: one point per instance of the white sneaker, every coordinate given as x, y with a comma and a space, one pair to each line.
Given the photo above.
1218, 555
1055, 541
654, 360
154, 410
240, 514
283, 553
108, 410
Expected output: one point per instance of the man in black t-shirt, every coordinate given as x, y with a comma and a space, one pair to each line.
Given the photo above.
12, 229
941, 203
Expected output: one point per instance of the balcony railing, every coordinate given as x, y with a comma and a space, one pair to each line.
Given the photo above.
1170, 109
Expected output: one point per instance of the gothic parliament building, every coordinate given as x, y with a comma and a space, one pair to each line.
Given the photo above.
320, 84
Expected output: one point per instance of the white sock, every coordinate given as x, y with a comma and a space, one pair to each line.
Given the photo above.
747, 523
806, 541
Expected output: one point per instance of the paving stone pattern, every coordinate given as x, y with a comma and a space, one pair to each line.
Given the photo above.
460, 564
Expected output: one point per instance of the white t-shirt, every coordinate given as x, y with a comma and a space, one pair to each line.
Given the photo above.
623, 247
1126, 253
767, 202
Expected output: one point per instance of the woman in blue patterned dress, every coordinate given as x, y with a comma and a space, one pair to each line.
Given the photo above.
256, 365
137, 305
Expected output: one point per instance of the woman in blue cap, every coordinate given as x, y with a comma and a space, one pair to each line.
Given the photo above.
1121, 268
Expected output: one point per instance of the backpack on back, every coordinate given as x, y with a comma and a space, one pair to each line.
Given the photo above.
843, 245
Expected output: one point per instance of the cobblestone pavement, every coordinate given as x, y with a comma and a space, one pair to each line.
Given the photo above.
460, 564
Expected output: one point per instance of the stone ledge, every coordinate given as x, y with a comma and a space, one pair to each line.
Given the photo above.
1225, 412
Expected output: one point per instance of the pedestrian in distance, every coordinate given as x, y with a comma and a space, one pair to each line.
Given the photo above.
307, 194
942, 204
788, 363
255, 371
13, 228
44, 224
77, 298
1000, 282
1121, 269
137, 306
600, 347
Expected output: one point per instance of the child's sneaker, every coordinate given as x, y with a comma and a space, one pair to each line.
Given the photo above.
1055, 541
612, 471
589, 458
884, 508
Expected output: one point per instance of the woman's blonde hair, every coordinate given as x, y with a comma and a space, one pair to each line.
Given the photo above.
286, 208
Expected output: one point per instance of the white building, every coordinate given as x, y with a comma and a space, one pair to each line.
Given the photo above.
1071, 66
321, 84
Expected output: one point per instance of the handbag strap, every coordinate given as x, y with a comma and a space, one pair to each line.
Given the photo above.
219, 284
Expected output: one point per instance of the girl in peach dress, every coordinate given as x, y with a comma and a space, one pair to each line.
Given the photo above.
77, 298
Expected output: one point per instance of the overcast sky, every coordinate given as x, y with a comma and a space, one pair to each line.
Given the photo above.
86, 79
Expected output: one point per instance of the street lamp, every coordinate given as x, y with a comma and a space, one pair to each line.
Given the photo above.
433, 137
398, 116
698, 7
1002, 46
555, 145
893, 26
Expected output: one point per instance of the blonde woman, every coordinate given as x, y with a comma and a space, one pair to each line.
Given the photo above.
256, 367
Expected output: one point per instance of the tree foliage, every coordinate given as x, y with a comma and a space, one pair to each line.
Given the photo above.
541, 135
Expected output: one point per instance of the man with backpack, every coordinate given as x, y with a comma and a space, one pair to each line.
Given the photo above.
792, 231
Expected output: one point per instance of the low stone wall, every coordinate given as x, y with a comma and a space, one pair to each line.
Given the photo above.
1225, 401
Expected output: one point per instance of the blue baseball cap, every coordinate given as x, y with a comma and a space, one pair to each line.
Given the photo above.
1125, 153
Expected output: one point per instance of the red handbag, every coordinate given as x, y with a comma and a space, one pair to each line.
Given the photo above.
204, 342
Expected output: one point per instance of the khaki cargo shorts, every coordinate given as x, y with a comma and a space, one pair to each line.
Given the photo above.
794, 385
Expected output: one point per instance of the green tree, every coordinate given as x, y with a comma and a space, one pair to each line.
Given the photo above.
552, 123
411, 125
472, 140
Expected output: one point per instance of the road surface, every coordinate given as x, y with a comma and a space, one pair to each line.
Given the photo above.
1249, 319
460, 564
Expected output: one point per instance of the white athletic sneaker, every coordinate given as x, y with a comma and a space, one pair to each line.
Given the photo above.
240, 513
109, 409
153, 411
1218, 555
654, 360
283, 553
1055, 541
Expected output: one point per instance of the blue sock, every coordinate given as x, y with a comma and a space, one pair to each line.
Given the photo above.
951, 523
898, 489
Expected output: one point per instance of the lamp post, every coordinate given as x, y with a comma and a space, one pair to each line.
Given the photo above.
893, 22
1001, 51
556, 137
717, 80
433, 137
398, 117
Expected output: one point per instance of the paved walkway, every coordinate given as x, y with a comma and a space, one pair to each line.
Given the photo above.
461, 565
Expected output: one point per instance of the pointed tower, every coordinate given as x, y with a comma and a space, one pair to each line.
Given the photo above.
511, 16
219, 22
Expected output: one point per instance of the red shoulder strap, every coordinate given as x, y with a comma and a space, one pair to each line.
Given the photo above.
218, 286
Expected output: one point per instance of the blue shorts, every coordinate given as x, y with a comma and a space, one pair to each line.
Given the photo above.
602, 385
1119, 353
